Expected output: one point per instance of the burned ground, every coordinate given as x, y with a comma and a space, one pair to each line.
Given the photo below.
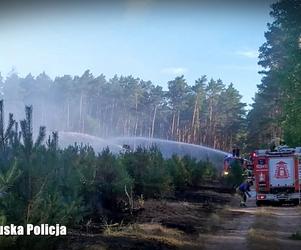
199, 219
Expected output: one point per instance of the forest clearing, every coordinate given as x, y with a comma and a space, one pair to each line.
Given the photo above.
150, 125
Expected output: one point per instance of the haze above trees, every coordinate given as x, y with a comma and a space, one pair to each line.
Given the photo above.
208, 112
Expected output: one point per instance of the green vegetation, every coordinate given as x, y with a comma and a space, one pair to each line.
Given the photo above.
235, 176
276, 111
205, 112
40, 183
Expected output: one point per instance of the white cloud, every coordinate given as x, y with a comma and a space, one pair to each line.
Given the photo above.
248, 53
174, 71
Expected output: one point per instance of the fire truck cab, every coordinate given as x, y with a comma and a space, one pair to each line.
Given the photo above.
277, 175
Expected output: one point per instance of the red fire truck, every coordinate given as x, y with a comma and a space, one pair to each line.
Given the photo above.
277, 175
246, 165
235, 158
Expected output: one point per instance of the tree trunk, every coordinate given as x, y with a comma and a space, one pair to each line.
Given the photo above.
178, 124
136, 121
68, 116
173, 124
193, 120
153, 122
80, 112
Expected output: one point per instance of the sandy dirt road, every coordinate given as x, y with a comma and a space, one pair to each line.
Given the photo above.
256, 228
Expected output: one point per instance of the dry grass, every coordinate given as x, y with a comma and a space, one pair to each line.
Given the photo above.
262, 234
261, 239
152, 231
263, 211
157, 229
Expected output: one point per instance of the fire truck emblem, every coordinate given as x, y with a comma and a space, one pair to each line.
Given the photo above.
281, 171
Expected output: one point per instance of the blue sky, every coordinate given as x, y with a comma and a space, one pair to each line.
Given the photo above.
142, 38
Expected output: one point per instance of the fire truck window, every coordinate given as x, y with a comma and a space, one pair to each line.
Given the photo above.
261, 161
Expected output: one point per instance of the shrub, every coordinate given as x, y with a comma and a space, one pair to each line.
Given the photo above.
179, 174
235, 177
111, 178
199, 171
148, 171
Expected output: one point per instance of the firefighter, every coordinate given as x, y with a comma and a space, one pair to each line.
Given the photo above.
243, 191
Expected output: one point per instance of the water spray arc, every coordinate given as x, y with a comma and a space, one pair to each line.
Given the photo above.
167, 147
